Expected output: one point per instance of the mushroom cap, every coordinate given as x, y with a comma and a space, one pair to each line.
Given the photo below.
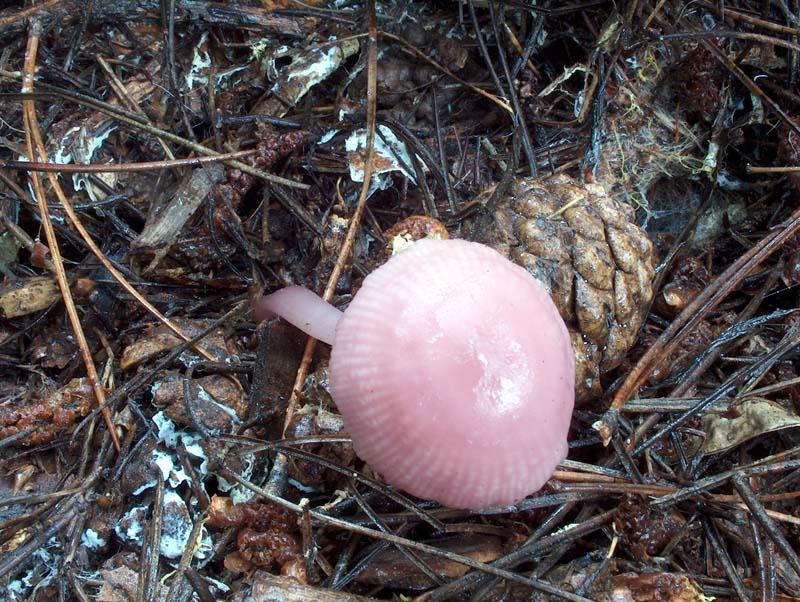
454, 373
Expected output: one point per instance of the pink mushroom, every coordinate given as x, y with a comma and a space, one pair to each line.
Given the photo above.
452, 369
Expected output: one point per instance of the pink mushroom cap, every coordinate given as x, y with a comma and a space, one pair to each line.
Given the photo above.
454, 374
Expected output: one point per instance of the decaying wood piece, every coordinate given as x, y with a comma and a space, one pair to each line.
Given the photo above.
308, 68
653, 587
393, 569
251, 17
27, 295
158, 340
161, 231
273, 588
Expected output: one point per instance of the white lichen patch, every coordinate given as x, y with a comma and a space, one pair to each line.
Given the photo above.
131, 525
327, 136
171, 471
176, 528
390, 155
171, 436
238, 493
40, 573
201, 63
317, 66
78, 145
91, 539
208, 398
307, 68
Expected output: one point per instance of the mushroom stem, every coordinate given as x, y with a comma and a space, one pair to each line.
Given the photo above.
302, 308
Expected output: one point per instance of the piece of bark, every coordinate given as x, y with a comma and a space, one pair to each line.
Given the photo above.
653, 587
158, 340
244, 17
162, 230
280, 348
308, 68
392, 569
27, 295
272, 588
218, 404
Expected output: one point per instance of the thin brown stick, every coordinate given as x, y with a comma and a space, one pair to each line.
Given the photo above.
735, 15
402, 541
742, 35
760, 514
355, 220
87, 238
33, 125
786, 169
751, 85
33, 143
706, 301
122, 167
24, 14
136, 121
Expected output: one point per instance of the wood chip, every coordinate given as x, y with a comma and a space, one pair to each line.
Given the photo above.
27, 296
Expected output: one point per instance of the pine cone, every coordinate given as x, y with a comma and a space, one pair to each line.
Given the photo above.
596, 263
